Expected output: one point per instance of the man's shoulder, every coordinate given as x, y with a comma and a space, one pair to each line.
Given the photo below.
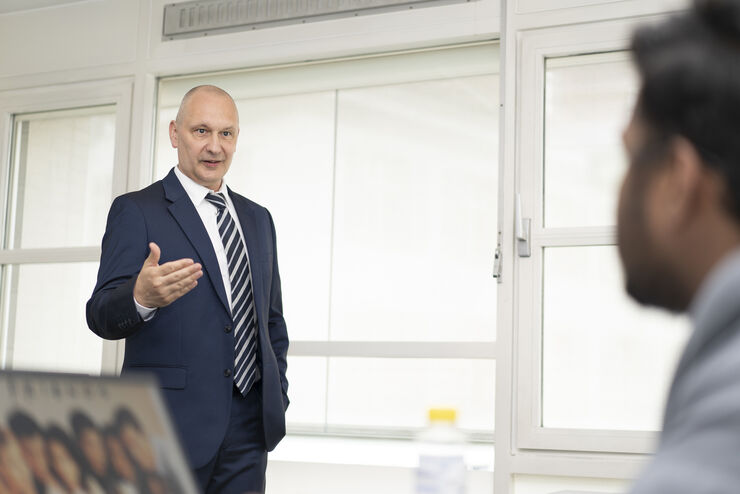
705, 390
151, 192
702, 424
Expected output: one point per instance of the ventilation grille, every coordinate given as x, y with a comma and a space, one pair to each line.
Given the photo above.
207, 17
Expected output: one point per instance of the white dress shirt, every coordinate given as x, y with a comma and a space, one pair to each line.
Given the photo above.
207, 213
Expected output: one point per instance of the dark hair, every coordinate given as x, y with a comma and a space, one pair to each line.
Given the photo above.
690, 71
23, 425
80, 421
124, 416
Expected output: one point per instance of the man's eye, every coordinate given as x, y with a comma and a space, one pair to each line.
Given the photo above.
227, 133
200, 131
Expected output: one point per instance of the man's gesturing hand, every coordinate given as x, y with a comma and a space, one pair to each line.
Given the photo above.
160, 285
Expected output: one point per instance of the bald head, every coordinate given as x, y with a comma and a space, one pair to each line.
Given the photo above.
206, 88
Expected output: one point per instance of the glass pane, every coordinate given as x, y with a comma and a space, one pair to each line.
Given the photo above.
588, 99
415, 215
284, 161
307, 392
607, 363
367, 392
63, 171
55, 338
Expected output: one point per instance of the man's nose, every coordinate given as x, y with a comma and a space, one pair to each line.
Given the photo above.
213, 144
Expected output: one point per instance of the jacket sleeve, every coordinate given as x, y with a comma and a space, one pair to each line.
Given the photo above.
276, 324
111, 312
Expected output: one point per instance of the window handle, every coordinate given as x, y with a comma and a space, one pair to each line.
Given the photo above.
522, 230
497, 260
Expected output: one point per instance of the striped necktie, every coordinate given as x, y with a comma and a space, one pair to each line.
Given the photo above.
242, 297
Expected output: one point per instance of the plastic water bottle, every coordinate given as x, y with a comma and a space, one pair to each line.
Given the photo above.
441, 455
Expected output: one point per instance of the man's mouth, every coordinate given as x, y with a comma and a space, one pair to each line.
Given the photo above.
211, 162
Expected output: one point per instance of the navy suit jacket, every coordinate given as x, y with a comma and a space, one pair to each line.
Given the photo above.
189, 344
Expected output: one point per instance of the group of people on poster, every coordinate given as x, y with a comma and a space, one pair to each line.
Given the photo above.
82, 458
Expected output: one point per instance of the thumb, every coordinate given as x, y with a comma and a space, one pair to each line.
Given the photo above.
154, 252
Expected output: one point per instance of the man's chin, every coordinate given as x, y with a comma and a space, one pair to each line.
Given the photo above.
663, 295
637, 294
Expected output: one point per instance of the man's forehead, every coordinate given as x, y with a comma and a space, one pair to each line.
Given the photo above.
208, 105
213, 123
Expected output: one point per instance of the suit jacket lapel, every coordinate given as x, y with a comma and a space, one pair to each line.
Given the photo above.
187, 217
249, 227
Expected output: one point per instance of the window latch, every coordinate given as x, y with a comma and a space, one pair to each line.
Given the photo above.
497, 260
522, 230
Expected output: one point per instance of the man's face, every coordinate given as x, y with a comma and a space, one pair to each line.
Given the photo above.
649, 278
13, 468
91, 444
64, 464
34, 452
139, 447
205, 137
119, 459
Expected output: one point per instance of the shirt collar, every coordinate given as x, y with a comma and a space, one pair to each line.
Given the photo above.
195, 191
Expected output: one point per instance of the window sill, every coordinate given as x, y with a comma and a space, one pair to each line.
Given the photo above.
368, 451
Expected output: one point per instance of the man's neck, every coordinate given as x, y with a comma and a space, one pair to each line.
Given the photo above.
705, 251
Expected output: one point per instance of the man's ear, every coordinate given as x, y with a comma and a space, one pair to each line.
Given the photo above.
173, 134
683, 183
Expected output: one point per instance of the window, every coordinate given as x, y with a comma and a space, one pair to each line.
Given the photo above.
381, 175
58, 188
596, 361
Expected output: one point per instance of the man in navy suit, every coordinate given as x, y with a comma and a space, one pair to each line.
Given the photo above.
164, 284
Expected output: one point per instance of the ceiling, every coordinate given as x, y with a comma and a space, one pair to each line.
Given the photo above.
11, 6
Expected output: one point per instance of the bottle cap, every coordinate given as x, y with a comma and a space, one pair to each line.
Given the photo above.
442, 414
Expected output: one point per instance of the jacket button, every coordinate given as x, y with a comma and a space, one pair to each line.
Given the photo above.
227, 329
227, 372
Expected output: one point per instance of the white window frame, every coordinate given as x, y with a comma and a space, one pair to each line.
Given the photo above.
536, 47
110, 92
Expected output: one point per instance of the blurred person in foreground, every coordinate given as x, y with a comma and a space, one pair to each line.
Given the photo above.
679, 235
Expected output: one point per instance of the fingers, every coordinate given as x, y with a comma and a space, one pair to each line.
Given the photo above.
181, 278
160, 285
171, 289
174, 266
154, 254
